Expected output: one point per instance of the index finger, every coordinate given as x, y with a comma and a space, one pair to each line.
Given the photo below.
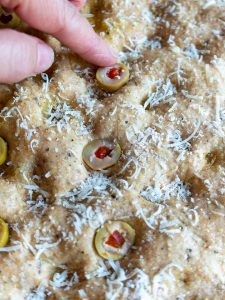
78, 3
61, 19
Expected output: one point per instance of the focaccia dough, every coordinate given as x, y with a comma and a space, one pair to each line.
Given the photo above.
169, 184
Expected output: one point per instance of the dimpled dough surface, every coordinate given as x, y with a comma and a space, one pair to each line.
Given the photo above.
169, 184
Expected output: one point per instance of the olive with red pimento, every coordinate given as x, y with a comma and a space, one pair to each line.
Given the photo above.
4, 233
114, 239
112, 78
101, 154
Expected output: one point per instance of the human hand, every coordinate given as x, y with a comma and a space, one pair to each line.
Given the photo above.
22, 55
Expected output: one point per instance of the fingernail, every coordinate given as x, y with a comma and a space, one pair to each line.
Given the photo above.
45, 57
112, 52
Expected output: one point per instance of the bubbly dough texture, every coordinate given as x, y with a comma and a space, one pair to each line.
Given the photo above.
169, 184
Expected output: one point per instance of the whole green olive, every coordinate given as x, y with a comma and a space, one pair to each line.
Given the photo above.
8, 19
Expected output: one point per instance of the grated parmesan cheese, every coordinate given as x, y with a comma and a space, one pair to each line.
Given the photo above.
43, 247
179, 142
164, 93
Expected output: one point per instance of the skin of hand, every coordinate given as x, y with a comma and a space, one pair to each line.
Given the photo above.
22, 55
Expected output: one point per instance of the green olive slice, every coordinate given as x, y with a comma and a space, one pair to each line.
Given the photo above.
112, 78
101, 154
4, 233
8, 19
114, 239
3, 151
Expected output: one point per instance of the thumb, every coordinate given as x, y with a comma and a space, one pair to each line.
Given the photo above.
22, 56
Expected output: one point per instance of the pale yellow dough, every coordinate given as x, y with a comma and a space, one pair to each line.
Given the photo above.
169, 184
